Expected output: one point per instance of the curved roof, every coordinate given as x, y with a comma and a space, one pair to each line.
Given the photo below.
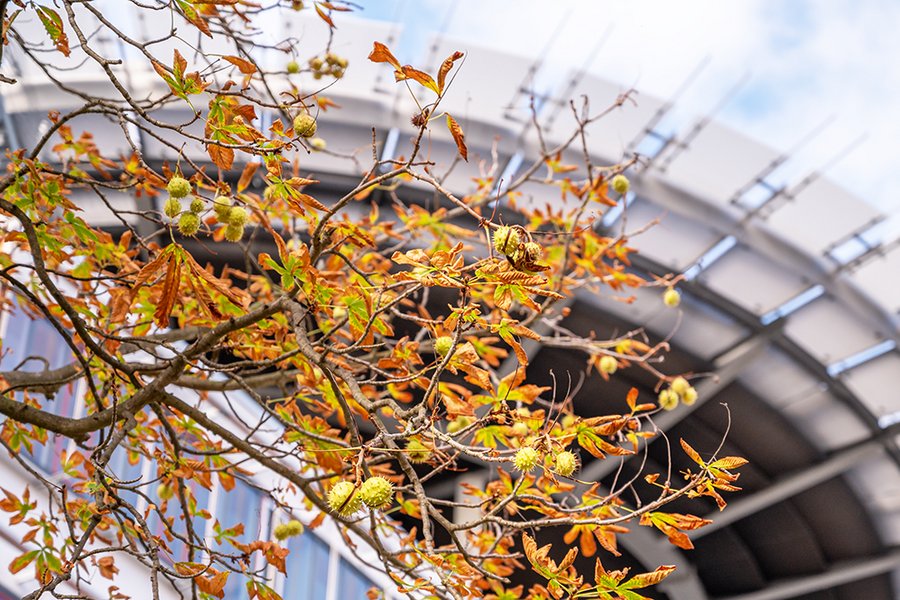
790, 302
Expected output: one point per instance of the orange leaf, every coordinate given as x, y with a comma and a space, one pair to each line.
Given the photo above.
458, 137
221, 156
380, 54
692, 453
324, 16
247, 176
245, 66
107, 567
632, 398
445, 68
189, 569
408, 72
643, 580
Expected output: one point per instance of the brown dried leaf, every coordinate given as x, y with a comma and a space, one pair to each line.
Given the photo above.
458, 137
169, 292
247, 176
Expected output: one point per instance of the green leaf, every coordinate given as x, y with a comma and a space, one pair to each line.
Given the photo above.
53, 25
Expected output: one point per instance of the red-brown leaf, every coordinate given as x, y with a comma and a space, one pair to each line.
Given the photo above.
169, 292
222, 156
247, 176
458, 136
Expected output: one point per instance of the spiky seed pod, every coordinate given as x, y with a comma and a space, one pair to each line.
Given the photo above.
172, 207
234, 233
178, 187
316, 63
189, 224
458, 424
305, 125
526, 459
222, 208
165, 491
196, 205
417, 452
565, 463
689, 396
608, 365
376, 492
237, 216
506, 240
284, 531
679, 385
533, 252
568, 420
338, 313
520, 429
293, 67
672, 298
343, 498
443, 345
318, 143
620, 184
668, 399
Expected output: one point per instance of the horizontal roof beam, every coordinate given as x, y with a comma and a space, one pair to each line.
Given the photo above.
836, 575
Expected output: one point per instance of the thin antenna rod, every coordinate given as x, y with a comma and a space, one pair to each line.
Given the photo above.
663, 110
579, 74
700, 125
774, 164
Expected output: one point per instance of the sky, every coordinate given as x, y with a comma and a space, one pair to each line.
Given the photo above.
829, 66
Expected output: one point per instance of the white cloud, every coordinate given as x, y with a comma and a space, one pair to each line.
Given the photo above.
807, 61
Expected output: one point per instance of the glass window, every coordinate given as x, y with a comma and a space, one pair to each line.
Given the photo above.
120, 466
242, 505
307, 569
25, 338
7, 595
174, 514
352, 584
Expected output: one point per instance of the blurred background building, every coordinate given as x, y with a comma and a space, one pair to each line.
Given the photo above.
791, 305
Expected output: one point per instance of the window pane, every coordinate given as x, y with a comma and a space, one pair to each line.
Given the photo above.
124, 471
242, 505
25, 338
175, 515
307, 569
7, 595
352, 584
